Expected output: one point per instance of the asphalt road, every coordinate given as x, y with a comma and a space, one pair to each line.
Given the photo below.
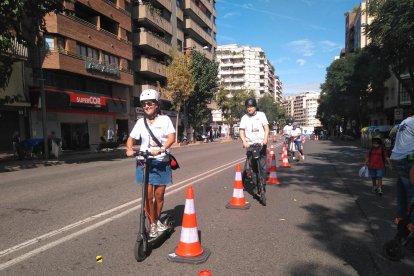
321, 220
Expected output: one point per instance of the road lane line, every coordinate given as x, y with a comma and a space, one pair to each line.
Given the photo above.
192, 180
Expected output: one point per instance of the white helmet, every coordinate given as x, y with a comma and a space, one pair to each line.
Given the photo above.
149, 95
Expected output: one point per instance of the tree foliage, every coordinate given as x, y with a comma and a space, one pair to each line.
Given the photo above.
350, 84
273, 110
205, 76
22, 20
180, 82
391, 30
231, 103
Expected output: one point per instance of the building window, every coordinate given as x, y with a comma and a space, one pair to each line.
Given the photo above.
87, 52
49, 42
61, 43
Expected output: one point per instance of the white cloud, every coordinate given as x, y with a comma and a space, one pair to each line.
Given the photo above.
230, 14
329, 46
301, 62
304, 47
279, 60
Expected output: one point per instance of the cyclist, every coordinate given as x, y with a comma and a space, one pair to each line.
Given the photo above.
254, 129
286, 132
296, 133
160, 174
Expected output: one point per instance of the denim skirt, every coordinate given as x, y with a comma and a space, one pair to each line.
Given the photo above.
159, 173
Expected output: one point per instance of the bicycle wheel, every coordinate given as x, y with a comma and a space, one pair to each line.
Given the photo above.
261, 184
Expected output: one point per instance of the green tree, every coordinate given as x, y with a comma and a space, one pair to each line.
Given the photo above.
205, 76
22, 20
180, 84
273, 110
352, 83
391, 30
231, 103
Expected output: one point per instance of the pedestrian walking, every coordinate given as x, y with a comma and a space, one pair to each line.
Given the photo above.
375, 160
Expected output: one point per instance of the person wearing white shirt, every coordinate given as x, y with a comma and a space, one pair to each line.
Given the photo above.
254, 129
160, 174
403, 157
296, 133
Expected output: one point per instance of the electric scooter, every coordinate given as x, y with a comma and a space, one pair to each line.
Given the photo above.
144, 243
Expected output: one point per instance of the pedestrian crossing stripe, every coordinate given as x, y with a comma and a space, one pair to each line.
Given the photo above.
99, 259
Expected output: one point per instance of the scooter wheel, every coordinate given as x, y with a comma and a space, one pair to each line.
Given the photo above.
392, 251
139, 251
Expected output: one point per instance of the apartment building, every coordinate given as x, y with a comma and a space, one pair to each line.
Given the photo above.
245, 67
278, 89
163, 26
100, 54
14, 115
396, 98
302, 108
86, 62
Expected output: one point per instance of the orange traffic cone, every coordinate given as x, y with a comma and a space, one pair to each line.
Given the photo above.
272, 179
204, 273
189, 249
238, 200
283, 152
269, 158
285, 161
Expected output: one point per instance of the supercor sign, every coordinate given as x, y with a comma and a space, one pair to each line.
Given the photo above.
87, 99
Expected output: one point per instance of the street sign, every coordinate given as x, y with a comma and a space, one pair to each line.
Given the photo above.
398, 113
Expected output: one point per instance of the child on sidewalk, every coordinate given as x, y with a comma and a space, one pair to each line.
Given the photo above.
375, 160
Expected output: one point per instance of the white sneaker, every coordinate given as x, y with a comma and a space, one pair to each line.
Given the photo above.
374, 189
161, 227
303, 157
379, 191
153, 233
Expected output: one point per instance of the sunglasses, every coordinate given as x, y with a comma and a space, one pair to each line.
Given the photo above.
149, 104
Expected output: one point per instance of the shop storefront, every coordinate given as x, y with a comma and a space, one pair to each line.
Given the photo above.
81, 119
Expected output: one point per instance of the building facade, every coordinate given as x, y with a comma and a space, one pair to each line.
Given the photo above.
99, 55
396, 98
244, 67
302, 108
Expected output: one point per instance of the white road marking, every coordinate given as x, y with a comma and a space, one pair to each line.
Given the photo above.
45, 247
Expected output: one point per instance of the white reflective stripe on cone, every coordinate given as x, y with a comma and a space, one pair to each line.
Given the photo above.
238, 176
189, 207
238, 193
272, 175
189, 235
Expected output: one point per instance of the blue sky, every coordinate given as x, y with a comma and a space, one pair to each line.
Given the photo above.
300, 37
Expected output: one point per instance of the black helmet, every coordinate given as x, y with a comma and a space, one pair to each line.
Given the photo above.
250, 102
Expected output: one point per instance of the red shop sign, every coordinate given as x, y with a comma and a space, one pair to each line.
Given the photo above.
86, 99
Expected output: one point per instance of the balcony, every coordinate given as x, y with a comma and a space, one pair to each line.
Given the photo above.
150, 67
143, 13
70, 62
166, 4
190, 43
152, 43
196, 30
192, 8
180, 14
180, 35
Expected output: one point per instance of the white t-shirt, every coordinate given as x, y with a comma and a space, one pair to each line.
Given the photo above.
295, 133
404, 141
254, 127
161, 127
287, 129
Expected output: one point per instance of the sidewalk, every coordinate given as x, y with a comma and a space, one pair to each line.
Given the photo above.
378, 210
9, 162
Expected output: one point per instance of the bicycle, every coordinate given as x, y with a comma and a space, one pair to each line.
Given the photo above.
143, 244
253, 174
292, 150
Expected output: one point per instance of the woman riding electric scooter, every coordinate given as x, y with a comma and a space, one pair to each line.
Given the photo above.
158, 165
